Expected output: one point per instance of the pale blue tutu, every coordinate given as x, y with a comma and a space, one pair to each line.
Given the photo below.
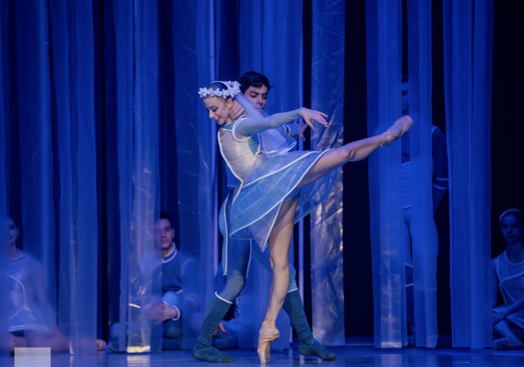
271, 181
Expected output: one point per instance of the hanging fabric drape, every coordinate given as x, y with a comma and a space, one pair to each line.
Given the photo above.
424, 238
4, 306
327, 95
37, 222
384, 67
34, 101
73, 81
272, 47
196, 156
110, 171
137, 126
468, 35
53, 118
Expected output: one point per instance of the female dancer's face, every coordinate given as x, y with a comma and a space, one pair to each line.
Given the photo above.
12, 231
511, 228
218, 108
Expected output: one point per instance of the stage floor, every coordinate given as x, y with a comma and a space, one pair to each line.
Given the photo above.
351, 355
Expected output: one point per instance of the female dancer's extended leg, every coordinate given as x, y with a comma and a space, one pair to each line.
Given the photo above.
356, 151
280, 236
279, 240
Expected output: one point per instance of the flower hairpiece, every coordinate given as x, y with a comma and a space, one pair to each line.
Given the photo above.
233, 88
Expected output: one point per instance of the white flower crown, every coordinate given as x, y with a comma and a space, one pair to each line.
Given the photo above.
233, 88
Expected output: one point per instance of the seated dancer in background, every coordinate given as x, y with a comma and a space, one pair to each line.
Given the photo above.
237, 253
508, 277
168, 310
273, 193
32, 319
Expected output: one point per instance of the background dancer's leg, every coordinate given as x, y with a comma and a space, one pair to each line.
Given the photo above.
507, 340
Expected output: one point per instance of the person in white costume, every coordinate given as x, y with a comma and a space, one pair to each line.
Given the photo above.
508, 277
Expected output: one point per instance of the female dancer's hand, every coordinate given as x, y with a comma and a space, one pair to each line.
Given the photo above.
311, 115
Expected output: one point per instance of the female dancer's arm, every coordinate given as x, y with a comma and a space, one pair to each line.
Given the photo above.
249, 127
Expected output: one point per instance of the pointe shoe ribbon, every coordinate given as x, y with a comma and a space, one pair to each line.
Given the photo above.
399, 128
265, 337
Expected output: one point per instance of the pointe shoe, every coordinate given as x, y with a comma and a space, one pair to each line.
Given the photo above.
399, 128
265, 337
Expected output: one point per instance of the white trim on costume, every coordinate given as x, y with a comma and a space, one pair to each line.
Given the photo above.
223, 299
281, 201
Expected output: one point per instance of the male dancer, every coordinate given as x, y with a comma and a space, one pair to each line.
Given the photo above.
237, 256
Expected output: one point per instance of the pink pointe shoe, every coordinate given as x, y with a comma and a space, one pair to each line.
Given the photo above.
399, 128
268, 333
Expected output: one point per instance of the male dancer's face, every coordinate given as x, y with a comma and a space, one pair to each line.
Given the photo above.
166, 233
257, 96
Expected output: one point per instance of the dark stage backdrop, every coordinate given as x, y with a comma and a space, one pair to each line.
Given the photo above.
101, 128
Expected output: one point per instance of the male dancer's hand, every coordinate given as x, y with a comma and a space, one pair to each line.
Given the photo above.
302, 127
311, 115
236, 110
169, 313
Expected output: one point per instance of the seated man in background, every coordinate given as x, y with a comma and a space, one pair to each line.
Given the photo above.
168, 309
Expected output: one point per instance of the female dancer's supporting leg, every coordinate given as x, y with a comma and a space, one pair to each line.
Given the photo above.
280, 236
279, 240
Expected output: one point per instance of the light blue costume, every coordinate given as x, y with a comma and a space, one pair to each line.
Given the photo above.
440, 183
267, 181
27, 311
257, 167
511, 284
237, 254
266, 178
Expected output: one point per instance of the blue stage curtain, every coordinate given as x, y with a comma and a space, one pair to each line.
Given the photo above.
145, 170
327, 95
34, 100
384, 67
123, 25
53, 114
4, 306
73, 82
424, 238
271, 46
468, 28
137, 126
194, 67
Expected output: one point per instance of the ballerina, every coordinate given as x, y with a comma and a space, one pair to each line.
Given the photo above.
274, 192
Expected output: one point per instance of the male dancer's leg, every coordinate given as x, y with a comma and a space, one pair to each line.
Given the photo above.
236, 264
